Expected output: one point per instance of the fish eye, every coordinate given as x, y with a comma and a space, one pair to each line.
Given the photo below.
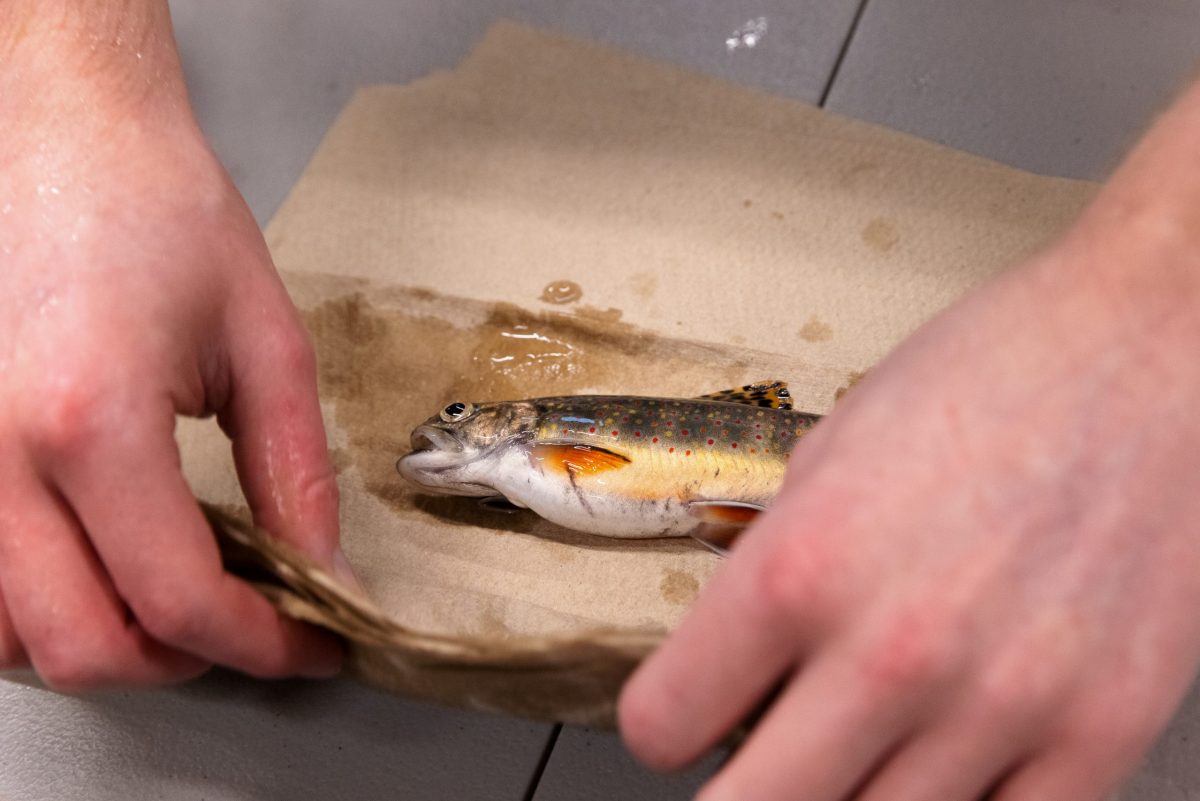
457, 411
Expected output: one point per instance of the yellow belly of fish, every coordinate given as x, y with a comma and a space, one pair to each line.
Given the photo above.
642, 492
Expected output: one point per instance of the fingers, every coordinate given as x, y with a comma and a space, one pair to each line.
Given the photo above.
71, 625
736, 644
958, 760
12, 654
274, 419
126, 487
1063, 775
824, 735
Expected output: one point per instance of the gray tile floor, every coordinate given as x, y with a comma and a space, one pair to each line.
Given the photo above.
1060, 88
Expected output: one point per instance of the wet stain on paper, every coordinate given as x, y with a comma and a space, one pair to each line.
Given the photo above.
644, 284
881, 235
341, 459
560, 292
816, 331
609, 315
678, 587
386, 365
862, 169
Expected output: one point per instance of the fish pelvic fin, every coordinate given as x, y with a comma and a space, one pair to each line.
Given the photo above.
575, 459
721, 523
767, 394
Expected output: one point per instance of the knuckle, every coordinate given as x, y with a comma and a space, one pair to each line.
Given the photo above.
169, 614
292, 349
1019, 681
1003, 693
68, 414
912, 649
319, 487
794, 580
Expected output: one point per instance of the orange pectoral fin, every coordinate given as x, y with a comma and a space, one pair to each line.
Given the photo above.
722, 522
576, 460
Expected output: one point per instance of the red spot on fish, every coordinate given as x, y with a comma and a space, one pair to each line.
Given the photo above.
615, 433
717, 423
687, 453
624, 419
684, 432
670, 450
592, 430
754, 450
654, 440
670, 423
637, 433
565, 431
710, 442
733, 445
758, 436
702, 429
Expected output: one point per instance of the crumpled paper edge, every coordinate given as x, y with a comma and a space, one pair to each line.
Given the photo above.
574, 678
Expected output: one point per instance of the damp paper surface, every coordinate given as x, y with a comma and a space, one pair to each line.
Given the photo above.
555, 217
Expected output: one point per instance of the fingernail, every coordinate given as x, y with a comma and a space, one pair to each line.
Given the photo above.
345, 572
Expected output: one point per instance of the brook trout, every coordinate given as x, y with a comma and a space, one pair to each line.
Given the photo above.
615, 465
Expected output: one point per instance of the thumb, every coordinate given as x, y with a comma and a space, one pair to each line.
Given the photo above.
273, 417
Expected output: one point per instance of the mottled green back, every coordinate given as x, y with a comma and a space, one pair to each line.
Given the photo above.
674, 426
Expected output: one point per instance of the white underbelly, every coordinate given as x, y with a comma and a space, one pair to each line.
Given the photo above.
597, 512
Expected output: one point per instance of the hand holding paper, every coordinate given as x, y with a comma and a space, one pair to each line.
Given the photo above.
984, 569
135, 286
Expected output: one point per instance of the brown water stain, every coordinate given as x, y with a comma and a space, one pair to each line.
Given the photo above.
777, 215
861, 169
609, 315
816, 331
562, 291
678, 587
644, 284
880, 235
386, 366
341, 459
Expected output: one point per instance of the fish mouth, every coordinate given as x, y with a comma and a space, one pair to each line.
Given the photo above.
436, 461
431, 438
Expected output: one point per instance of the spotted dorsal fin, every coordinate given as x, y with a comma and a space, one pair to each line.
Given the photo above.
768, 394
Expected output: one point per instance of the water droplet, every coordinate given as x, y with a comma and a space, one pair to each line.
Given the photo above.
748, 35
562, 292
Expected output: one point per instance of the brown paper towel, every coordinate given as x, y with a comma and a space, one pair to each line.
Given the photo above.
719, 236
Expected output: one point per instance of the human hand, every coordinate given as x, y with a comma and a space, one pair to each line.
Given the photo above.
135, 286
984, 569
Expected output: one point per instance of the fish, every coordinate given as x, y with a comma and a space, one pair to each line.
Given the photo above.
616, 465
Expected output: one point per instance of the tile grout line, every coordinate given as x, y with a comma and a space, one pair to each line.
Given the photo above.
841, 56
543, 761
